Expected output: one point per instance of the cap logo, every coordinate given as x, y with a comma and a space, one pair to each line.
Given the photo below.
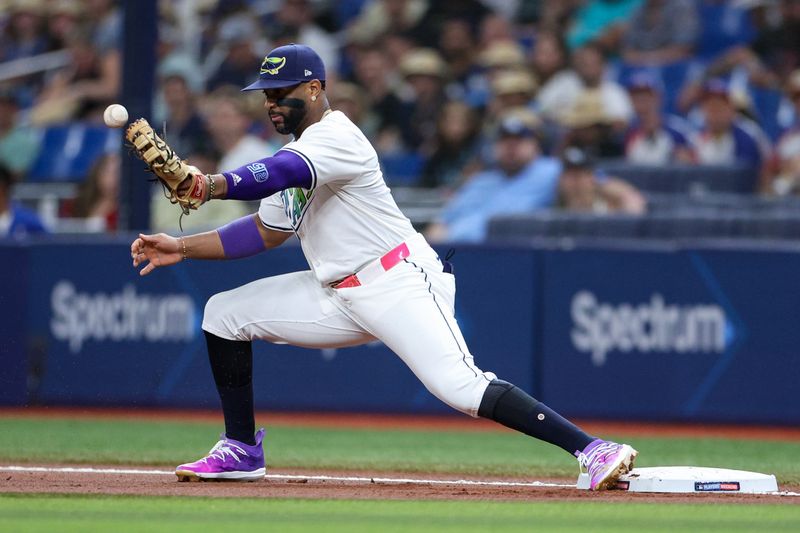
307, 72
272, 65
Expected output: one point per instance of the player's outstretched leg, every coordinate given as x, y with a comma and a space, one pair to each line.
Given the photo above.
509, 405
239, 454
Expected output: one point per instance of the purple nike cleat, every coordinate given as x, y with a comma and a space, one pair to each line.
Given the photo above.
605, 462
228, 460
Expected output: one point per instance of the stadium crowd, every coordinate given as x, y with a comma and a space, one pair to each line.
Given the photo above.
487, 107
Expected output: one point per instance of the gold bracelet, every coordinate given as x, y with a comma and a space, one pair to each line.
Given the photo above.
183, 245
211, 188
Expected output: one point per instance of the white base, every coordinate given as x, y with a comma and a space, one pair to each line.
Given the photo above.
691, 479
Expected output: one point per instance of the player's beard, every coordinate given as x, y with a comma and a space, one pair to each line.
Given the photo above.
293, 117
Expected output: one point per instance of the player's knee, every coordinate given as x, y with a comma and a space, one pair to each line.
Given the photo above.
465, 397
216, 317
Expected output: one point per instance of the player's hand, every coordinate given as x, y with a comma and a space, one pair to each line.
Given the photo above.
195, 186
160, 250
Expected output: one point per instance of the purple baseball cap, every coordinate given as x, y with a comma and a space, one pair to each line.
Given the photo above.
288, 65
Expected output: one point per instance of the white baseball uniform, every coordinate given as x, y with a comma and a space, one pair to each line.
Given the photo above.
347, 222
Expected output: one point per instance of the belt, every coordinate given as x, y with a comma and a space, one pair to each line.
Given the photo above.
375, 268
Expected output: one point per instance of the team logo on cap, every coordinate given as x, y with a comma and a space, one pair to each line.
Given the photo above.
272, 65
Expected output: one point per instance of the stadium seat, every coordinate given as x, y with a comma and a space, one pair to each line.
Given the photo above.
69, 151
681, 178
554, 224
766, 102
402, 168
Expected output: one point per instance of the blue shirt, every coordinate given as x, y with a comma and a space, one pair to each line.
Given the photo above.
493, 193
24, 222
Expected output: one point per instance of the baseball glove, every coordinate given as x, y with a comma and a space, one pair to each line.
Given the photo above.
168, 167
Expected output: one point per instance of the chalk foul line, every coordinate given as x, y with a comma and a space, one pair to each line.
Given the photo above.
291, 477
297, 477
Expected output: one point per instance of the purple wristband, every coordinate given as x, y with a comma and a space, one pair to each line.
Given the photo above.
241, 238
267, 176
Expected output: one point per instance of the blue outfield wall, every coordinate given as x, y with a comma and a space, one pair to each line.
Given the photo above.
667, 334
110, 337
694, 334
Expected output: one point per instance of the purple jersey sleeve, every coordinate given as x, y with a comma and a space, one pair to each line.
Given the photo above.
267, 176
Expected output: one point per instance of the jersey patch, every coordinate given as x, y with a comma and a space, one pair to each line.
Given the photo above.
295, 201
259, 171
236, 178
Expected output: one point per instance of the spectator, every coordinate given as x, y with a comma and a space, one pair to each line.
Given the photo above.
523, 180
600, 22
106, 20
455, 150
724, 25
24, 35
187, 131
98, 196
82, 89
779, 46
387, 16
511, 89
228, 125
63, 19
296, 18
588, 72
581, 188
548, 57
375, 76
498, 57
661, 32
457, 45
787, 151
15, 221
654, 139
722, 141
591, 127
495, 28
18, 145
237, 35
351, 100
424, 71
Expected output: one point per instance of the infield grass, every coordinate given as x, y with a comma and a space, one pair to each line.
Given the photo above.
137, 442
123, 513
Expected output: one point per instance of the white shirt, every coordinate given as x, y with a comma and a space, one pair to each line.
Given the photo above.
348, 217
559, 94
5, 223
249, 148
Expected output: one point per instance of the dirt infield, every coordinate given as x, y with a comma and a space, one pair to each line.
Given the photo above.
152, 481
158, 481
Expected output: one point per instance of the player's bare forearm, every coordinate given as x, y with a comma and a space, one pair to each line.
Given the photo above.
206, 245
161, 250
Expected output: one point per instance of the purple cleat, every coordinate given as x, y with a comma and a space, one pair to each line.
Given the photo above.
228, 460
605, 462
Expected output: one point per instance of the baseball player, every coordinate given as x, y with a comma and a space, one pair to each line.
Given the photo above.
372, 277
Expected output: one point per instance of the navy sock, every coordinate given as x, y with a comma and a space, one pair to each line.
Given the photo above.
514, 408
232, 366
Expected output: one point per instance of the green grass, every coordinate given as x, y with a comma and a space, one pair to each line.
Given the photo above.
126, 441
170, 443
123, 513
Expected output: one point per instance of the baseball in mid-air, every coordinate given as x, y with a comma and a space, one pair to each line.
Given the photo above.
115, 116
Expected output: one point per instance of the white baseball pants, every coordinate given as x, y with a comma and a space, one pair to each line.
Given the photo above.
410, 308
